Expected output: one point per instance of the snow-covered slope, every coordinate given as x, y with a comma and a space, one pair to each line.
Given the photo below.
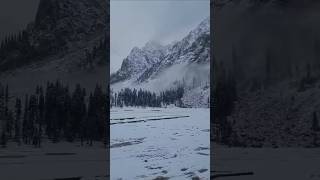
138, 61
156, 67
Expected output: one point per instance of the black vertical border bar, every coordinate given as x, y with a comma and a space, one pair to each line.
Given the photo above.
212, 59
108, 87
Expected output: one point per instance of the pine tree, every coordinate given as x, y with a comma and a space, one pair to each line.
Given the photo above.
9, 123
41, 106
18, 121
25, 121
33, 128
91, 118
3, 117
78, 110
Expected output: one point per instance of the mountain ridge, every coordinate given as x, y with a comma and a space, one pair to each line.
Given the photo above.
158, 68
150, 60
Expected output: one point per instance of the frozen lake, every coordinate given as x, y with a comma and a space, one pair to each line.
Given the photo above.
266, 163
172, 143
54, 161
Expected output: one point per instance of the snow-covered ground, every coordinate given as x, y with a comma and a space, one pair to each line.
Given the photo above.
54, 161
147, 143
266, 163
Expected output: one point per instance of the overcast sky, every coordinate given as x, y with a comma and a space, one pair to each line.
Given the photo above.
15, 15
135, 22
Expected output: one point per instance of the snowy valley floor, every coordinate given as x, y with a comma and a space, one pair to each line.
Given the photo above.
53, 161
266, 163
172, 143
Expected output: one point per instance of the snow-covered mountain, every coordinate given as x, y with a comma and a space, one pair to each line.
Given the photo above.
66, 41
159, 67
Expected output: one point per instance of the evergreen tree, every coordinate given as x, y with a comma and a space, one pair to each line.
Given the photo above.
41, 106
33, 118
60, 113
8, 119
3, 117
18, 121
25, 121
77, 110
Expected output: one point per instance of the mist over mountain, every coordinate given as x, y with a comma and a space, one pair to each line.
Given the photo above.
159, 67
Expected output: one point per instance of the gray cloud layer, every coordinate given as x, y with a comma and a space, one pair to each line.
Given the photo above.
135, 22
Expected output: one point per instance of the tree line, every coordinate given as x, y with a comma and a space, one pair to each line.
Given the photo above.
56, 113
145, 98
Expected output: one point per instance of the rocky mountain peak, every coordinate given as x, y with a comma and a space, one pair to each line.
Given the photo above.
145, 57
147, 62
135, 50
152, 46
202, 28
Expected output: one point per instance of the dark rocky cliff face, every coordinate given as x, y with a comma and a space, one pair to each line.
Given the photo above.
63, 21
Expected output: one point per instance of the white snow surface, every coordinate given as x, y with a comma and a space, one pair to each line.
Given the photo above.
147, 143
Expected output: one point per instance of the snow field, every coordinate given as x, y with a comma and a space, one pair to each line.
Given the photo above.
176, 148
